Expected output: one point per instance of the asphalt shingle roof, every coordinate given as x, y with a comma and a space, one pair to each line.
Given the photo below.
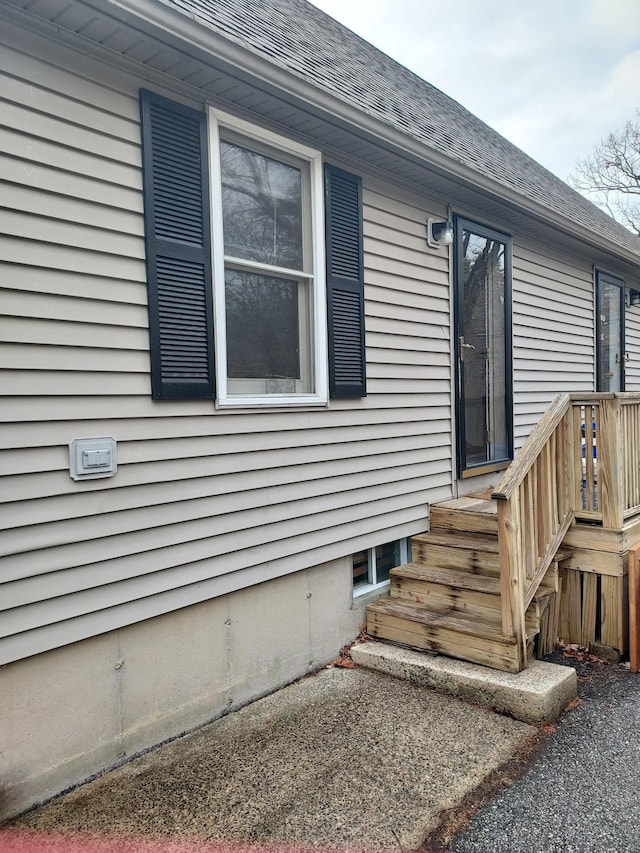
296, 36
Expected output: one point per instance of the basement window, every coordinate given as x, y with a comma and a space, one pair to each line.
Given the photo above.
371, 567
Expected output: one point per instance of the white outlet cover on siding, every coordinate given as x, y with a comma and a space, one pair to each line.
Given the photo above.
92, 458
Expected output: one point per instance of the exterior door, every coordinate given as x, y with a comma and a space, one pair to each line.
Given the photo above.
483, 336
610, 354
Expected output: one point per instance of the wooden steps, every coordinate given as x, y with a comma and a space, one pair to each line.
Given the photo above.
469, 639
445, 590
464, 552
447, 600
477, 515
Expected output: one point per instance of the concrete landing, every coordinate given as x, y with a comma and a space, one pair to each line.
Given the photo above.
541, 692
345, 760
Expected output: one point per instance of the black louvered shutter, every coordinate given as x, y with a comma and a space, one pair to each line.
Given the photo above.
345, 283
178, 248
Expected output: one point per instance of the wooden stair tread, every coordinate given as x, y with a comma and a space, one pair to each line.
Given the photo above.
469, 504
471, 515
484, 494
437, 620
474, 541
469, 541
448, 577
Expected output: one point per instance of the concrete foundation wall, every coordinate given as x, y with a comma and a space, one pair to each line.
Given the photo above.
71, 712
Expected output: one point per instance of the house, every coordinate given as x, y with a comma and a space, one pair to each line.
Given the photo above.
240, 360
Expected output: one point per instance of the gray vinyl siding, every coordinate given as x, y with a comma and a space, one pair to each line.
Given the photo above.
553, 337
204, 502
632, 346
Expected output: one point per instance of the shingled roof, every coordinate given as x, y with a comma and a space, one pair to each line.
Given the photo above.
296, 36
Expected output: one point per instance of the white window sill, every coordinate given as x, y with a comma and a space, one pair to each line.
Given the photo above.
260, 402
364, 595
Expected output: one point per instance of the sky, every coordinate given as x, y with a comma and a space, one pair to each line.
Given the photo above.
553, 76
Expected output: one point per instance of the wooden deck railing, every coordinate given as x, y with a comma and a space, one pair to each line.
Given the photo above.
535, 509
630, 450
581, 460
586, 436
606, 452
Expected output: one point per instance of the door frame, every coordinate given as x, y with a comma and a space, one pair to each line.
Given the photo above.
461, 224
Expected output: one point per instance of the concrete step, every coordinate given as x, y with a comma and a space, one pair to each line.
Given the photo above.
539, 693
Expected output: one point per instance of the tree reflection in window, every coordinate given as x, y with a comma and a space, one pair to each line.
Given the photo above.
262, 326
485, 349
261, 207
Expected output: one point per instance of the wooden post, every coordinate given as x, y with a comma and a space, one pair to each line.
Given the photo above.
555, 462
589, 605
529, 533
576, 457
634, 608
609, 450
511, 592
591, 416
567, 468
573, 601
613, 618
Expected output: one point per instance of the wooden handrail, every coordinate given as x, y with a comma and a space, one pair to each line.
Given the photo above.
535, 509
539, 436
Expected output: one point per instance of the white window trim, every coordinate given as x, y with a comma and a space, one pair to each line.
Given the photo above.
320, 377
365, 589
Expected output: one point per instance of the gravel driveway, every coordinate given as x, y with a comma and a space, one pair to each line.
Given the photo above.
581, 793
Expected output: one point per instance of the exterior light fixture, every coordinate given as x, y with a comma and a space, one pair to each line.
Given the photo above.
439, 233
634, 297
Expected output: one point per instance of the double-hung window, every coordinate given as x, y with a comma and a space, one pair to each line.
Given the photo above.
255, 265
268, 266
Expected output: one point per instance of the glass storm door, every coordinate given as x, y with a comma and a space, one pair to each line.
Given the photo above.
610, 355
483, 335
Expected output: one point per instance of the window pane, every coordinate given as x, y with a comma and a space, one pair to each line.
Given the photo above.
262, 326
387, 557
484, 341
361, 568
261, 208
610, 327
